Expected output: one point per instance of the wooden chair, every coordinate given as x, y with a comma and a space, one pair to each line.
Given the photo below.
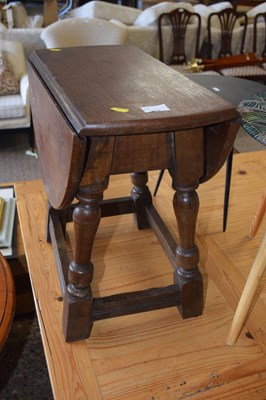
223, 25
227, 20
259, 25
180, 20
253, 280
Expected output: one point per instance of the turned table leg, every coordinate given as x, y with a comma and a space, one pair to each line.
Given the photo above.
77, 313
186, 274
141, 196
188, 167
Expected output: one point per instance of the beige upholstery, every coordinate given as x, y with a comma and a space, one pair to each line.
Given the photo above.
104, 10
83, 32
15, 109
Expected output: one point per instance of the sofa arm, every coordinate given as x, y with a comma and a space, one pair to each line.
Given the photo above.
118, 23
24, 88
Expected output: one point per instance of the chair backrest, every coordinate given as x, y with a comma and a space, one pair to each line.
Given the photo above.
15, 55
73, 32
226, 22
178, 19
260, 20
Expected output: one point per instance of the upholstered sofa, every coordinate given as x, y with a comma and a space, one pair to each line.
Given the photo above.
141, 25
205, 11
22, 26
14, 89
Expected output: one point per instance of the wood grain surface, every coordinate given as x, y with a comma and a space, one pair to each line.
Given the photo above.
7, 300
103, 77
157, 355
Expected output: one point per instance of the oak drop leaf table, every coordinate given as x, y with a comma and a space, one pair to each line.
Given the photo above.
106, 110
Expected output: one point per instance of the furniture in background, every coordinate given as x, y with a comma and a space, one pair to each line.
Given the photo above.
83, 32
231, 33
109, 126
186, 28
260, 30
19, 16
50, 12
259, 40
224, 37
141, 25
221, 28
14, 100
7, 300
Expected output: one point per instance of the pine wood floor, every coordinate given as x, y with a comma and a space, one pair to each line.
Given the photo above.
157, 355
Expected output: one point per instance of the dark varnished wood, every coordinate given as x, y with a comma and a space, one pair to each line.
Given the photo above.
218, 142
228, 21
59, 142
7, 300
179, 19
123, 76
76, 115
134, 302
259, 18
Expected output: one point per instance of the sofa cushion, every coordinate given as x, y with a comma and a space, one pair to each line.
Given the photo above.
261, 8
11, 106
8, 82
149, 17
34, 21
107, 11
19, 14
21, 19
221, 6
7, 16
203, 11
3, 31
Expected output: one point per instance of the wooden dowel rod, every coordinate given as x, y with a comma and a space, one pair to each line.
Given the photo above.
249, 291
258, 217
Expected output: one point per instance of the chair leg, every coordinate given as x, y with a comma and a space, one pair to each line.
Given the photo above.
31, 136
249, 291
258, 217
158, 182
229, 164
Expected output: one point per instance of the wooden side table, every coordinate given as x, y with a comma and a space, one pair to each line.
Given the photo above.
7, 300
104, 110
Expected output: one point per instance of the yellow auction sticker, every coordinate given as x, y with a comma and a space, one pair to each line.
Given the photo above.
118, 109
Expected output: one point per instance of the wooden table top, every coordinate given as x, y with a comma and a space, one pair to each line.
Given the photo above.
7, 300
87, 82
